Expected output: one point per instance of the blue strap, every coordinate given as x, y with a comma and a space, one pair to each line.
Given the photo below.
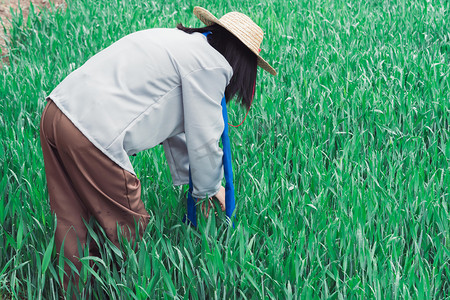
191, 212
227, 166
227, 170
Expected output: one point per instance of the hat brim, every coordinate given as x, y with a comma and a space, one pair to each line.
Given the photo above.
209, 19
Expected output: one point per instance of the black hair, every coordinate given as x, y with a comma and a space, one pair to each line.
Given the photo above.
240, 57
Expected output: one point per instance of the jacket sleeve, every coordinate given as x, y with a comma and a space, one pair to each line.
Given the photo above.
177, 157
202, 92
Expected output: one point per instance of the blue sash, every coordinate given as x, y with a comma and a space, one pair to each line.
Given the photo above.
227, 170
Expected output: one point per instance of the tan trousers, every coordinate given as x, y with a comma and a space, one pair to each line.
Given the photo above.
83, 183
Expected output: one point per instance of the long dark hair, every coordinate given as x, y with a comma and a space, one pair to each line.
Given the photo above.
242, 60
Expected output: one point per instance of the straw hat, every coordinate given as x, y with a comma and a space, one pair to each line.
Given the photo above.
241, 27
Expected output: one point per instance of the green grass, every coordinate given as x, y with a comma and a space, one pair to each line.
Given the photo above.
342, 167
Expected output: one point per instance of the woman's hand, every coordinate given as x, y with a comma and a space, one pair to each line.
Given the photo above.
220, 196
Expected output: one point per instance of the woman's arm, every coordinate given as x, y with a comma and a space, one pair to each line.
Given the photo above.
176, 153
202, 92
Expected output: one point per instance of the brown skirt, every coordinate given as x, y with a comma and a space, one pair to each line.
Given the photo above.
83, 183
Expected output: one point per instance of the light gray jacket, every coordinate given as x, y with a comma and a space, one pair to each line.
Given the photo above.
150, 87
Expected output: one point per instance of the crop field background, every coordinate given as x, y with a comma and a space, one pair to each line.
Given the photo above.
341, 169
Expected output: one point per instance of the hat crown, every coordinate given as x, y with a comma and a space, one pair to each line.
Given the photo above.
244, 28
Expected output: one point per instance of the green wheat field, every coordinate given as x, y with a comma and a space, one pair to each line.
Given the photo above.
342, 169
